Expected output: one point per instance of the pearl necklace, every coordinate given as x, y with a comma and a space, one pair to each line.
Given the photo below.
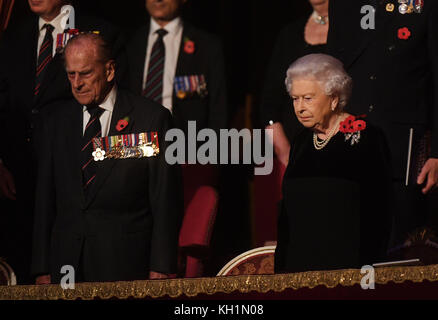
321, 144
319, 19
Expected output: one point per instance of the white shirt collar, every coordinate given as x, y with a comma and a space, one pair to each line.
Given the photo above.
173, 27
109, 102
56, 23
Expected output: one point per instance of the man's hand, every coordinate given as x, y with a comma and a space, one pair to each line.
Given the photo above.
43, 280
7, 184
281, 143
157, 275
430, 170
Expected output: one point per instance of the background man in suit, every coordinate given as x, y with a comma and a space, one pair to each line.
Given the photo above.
179, 66
111, 220
31, 77
182, 68
395, 72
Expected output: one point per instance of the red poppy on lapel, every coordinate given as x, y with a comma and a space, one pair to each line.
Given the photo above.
122, 124
346, 126
189, 46
404, 33
359, 125
351, 125
351, 128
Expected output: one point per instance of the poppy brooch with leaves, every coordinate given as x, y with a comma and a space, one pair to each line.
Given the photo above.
351, 128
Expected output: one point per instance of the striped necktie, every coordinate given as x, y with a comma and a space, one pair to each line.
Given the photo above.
44, 57
92, 130
154, 81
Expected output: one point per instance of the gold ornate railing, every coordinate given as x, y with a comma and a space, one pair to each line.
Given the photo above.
192, 287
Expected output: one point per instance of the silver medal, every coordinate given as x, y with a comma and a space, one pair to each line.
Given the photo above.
403, 8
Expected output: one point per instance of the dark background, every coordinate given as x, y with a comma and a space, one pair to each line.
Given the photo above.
248, 30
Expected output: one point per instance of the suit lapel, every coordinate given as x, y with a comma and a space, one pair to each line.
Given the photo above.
54, 68
138, 56
185, 60
77, 143
30, 61
186, 64
122, 109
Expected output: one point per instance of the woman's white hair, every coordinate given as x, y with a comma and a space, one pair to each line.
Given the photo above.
325, 69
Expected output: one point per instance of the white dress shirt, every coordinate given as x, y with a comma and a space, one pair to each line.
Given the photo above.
105, 118
56, 23
172, 42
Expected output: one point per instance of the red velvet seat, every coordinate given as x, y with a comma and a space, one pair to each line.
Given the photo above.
267, 195
200, 203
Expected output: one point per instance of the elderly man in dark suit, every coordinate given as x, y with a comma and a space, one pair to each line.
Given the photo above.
391, 52
179, 66
31, 77
107, 216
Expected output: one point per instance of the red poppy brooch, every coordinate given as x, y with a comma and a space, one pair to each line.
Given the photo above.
122, 124
189, 46
351, 128
404, 33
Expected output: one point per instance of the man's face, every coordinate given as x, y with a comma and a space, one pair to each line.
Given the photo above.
90, 78
46, 8
164, 10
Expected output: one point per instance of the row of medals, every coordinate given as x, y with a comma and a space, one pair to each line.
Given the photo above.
121, 152
407, 6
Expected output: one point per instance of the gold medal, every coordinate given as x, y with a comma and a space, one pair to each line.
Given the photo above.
390, 7
181, 94
410, 8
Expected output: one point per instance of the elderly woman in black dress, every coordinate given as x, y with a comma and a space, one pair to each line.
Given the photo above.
336, 186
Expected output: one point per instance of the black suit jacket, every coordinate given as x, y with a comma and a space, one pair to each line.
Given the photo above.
129, 223
208, 112
19, 110
395, 80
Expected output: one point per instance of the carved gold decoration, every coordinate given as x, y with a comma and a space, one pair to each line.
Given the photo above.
192, 287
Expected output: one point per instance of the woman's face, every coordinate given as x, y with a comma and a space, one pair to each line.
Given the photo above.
313, 108
314, 3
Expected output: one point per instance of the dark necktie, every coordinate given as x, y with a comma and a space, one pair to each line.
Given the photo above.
44, 57
154, 81
92, 130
